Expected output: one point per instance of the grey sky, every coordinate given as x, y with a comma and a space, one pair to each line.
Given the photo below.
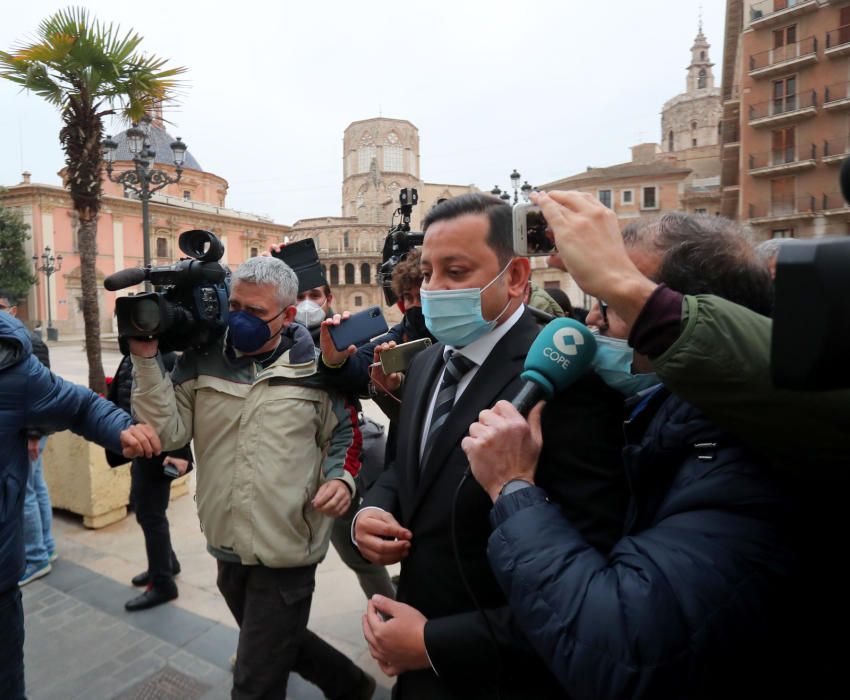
545, 87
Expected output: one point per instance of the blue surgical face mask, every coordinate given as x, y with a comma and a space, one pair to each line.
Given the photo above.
613, 364
454, 315
247, 333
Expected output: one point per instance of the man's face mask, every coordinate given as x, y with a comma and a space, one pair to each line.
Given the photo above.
309, 314
248, 333
613, 364
454, 315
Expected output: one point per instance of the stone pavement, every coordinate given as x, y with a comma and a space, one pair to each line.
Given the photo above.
81, 643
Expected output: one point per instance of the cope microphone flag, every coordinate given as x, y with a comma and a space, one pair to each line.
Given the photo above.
560, 356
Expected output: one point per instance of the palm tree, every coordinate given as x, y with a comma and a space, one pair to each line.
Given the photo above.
89, 70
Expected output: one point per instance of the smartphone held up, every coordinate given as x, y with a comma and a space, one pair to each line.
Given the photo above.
532, 236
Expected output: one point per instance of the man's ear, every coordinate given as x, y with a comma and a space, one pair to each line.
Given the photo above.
517, 277
289, 315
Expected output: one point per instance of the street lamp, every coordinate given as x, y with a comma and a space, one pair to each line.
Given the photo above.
50, 265
515, 177
143, 179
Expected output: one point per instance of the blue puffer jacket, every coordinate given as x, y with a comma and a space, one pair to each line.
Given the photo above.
30, 394
685, 603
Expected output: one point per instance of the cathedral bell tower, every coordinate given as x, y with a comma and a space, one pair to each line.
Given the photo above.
700, 75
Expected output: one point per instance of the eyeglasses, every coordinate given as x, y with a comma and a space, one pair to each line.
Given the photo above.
603, 310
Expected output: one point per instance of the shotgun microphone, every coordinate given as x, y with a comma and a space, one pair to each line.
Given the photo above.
560, 356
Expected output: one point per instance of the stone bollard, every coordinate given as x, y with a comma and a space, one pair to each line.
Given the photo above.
81, 481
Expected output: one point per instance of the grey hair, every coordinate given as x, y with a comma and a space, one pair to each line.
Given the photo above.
769, 249
268, 270
705, 255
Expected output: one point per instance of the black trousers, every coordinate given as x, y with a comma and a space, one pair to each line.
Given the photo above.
150, 491
271, 607
11, 645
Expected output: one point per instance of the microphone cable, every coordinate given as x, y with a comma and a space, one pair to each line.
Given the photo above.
456, 551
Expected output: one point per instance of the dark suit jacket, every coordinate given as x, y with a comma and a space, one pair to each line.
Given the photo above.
456, 635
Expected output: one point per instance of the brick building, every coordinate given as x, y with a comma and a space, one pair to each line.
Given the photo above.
786, 92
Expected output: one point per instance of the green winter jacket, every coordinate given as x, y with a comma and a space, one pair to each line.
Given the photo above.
721, 364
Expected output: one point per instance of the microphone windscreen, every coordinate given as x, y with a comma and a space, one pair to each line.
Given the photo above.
123, 279
560, 355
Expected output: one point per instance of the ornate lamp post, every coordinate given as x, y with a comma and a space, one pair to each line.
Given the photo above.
50, 265
515, 177
143, 179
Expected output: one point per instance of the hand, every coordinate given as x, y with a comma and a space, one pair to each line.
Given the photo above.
180, 464
503, 446
589, 242
143, 348
384, 382
380, 538
330, 354
140, 441
333, 498
33, 448
398, 644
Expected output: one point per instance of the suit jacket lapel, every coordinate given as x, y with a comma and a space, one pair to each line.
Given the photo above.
503, 365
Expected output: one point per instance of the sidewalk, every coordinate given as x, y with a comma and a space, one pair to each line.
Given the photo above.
81, 643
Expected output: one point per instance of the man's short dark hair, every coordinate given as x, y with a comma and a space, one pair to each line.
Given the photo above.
706, 255
8, 296
407, 274
500, 237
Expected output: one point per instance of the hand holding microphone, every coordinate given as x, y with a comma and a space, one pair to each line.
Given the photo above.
502, 445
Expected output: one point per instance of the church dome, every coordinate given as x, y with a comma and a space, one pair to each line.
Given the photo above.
160, 141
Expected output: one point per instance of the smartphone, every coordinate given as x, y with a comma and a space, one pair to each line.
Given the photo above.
398, 359
303, 258
531, 232
359, 328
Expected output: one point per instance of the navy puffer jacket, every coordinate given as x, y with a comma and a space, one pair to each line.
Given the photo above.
686, 603
31, 395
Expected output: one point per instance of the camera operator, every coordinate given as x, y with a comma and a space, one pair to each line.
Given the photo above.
689, 602
272, 447
31, 395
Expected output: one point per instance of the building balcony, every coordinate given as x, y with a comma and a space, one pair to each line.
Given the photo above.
836, 150
731, 94
787, 209
837, 42
785, 58
783, 161
836, 97
834, 204
784, 110
770, 13
730, 133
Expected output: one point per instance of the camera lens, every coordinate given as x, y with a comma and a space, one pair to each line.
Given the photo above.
145, 316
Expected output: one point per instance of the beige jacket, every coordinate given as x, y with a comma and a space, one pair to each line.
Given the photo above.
264, 440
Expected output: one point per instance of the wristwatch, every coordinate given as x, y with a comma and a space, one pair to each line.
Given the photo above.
513, 486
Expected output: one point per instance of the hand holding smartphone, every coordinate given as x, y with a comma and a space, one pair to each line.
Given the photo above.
359, 328
532, 236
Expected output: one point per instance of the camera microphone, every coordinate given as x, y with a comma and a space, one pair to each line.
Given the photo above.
559, 357
124, 278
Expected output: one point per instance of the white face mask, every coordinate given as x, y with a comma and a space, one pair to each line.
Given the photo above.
309, 313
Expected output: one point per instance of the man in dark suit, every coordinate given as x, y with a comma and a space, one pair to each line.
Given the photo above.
436, 638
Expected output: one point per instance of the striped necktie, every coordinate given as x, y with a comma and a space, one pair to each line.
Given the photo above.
456, 367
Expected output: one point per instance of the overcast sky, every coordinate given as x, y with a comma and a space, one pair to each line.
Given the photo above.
548, 88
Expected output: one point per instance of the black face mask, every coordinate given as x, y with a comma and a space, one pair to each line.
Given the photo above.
414, 320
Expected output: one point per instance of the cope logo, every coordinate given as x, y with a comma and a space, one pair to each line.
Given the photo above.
566, 342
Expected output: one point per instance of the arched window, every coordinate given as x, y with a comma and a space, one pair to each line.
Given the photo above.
365, 274
349, 273
670, 140
702, 55
162, 247
345, 241
334, 275
254, 252
693, 126
393, 154
358, 300
703, 79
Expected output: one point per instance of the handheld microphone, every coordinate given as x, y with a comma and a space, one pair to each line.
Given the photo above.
559, 356
123, 279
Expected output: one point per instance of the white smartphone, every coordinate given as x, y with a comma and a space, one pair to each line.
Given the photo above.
398, 359
532, 236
